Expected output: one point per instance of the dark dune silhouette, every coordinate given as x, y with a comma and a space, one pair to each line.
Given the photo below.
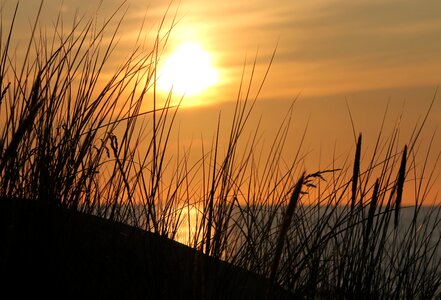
51, 251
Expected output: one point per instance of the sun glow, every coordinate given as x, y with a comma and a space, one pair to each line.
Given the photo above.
188, 71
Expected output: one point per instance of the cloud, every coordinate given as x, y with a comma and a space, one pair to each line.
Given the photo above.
363, 30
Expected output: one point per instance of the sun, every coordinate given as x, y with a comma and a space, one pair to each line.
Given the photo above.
188, 71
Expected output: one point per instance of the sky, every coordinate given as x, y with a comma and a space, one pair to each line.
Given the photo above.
329, 55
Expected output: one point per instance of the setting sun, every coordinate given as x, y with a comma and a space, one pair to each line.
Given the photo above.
188, 71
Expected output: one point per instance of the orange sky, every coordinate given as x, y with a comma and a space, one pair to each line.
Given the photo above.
366, 52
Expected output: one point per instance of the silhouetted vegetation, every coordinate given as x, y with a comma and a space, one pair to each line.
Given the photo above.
75, 141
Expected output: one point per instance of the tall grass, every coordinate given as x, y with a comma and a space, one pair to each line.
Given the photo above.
72, 137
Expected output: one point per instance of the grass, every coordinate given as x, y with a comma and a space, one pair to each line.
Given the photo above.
73, 138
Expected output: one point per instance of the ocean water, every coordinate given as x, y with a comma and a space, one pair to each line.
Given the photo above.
252, 233
416, 227
331, 234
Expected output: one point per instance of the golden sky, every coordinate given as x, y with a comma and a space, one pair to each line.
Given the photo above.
365, 52
324, 46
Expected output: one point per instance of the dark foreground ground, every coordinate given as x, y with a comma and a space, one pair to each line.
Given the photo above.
53, 252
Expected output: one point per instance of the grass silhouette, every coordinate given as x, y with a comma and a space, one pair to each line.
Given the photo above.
86, 181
